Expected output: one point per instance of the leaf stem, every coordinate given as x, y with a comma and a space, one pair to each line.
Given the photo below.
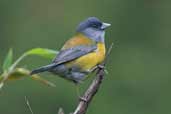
13, 66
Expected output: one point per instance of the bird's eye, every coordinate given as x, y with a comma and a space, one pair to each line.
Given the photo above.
95, 26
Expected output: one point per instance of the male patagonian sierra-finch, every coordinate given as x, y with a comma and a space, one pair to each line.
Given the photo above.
80, 54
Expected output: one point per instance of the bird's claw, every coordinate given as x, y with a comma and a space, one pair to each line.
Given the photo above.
83, 99
101, 66
96, 67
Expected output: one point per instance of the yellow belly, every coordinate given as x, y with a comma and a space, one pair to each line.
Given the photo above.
87, 62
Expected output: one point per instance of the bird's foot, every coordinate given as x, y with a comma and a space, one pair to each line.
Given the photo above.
83, 99
101, 66
93, 69
96, 67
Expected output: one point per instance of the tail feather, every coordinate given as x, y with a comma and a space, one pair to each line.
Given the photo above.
43, 69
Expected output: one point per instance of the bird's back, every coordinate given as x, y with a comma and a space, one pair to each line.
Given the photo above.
77, 40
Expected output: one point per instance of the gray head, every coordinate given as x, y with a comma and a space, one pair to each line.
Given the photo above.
93, 28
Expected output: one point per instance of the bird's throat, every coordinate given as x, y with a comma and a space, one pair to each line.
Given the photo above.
97, 36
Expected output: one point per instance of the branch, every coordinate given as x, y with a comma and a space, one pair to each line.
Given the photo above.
28, 104
93, 88
91, 91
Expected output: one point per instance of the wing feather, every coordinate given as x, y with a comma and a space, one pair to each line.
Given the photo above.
73, 53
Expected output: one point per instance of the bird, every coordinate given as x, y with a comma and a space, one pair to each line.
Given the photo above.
81, 54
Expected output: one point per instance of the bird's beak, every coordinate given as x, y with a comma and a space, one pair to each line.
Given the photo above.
105, 25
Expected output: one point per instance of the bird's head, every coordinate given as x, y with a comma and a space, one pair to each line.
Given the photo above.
93, 28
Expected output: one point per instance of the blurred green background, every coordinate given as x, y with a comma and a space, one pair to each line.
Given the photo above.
139, 69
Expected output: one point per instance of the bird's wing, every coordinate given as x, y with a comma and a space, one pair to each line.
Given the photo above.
73, 53
66, 55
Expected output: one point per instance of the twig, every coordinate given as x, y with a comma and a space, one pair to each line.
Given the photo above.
93, 88
60, 111
28, 104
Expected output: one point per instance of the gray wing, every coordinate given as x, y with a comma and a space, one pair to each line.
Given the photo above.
66, 56
73, 53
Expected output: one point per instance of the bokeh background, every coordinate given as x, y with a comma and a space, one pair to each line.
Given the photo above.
139, 69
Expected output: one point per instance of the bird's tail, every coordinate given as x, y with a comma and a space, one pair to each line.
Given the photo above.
43, 69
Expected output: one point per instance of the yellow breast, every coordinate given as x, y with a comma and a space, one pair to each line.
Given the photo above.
87, 62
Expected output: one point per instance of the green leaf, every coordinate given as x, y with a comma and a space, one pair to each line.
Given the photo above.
43, 81
13, 73
47, 53
20, 73
8, 60
43, 52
